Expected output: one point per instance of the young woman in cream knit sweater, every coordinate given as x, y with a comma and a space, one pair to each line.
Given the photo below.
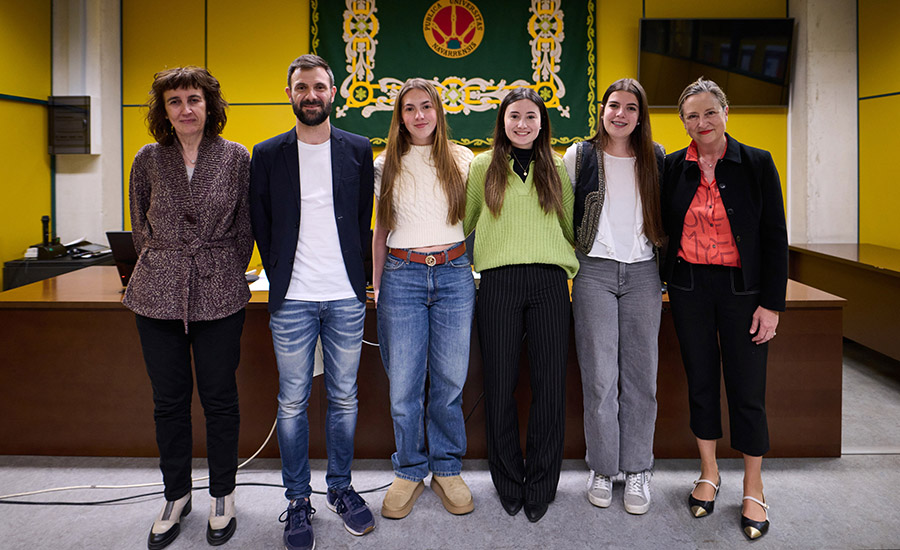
425, 296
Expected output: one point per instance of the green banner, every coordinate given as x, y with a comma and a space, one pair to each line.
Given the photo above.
474, 52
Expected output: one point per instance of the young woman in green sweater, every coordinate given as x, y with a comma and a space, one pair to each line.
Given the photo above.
520, 201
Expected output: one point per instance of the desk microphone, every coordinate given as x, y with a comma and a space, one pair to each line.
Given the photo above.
49, 249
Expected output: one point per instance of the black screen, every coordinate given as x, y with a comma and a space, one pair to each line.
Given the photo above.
748, 58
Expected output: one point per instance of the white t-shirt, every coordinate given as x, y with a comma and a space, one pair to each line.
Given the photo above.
319, 272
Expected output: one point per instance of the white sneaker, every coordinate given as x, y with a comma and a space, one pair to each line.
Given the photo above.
599, 489
637, 492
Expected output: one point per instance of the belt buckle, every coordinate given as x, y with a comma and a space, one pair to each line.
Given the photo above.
430, 260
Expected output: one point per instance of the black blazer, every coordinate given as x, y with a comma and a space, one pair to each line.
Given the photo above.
275, 206
751, 192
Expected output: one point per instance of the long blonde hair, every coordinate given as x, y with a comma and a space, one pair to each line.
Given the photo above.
453, 181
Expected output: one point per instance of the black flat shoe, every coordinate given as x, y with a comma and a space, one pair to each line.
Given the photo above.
534, 511
512, 505
701, 508
755, 529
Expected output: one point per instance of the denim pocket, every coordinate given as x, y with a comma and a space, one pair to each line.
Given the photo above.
682, 276
461, 262
393, 263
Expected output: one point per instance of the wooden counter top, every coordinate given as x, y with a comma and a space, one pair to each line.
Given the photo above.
91, 287
868, 256
99, 287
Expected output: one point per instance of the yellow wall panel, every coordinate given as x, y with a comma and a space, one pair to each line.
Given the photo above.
714, 8
25, 48
879, 193
134, 136
879, 48
250, 124
618, 30
251, 44
24, 178
25, 71
155, 36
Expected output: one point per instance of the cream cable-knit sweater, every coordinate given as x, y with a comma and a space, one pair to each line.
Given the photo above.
420, 204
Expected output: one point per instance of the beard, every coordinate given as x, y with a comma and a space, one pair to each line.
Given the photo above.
312, 118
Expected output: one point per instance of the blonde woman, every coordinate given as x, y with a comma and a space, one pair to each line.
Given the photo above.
727, 271
425, 296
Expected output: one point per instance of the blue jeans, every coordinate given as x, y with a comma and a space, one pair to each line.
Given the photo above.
424, 327
295, 328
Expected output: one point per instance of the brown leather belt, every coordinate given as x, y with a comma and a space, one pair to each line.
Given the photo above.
429, 258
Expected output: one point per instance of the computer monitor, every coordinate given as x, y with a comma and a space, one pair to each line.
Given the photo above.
123, 252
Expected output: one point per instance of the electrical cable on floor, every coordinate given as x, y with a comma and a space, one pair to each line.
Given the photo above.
4, 498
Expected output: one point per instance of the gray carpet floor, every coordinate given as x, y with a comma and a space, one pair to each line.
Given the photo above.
847, 502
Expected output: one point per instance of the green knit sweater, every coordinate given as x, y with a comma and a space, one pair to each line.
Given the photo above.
522, 233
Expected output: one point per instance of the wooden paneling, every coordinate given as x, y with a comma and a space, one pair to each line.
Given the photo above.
868, 276
74, 381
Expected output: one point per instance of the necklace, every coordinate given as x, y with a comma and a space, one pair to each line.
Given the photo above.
527, 164
187, 158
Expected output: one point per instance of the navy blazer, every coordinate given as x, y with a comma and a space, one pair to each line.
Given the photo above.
275, 206
751, 193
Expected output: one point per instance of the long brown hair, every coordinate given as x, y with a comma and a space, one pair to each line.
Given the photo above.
453, 181
641, 144
185, 77
546, 178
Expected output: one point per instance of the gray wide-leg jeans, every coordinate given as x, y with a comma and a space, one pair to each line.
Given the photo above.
617, 308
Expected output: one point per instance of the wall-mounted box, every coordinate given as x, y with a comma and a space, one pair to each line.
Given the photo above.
71, 130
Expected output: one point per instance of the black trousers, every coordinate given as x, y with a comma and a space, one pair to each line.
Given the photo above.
216, 347
712, 318
515, 301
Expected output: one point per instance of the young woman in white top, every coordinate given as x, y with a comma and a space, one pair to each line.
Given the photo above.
425, 295
616, 297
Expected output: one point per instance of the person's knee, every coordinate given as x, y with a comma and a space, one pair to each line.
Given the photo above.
345, 401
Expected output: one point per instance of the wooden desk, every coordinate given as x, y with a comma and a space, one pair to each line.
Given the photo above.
868, 276
72, 380
20, 272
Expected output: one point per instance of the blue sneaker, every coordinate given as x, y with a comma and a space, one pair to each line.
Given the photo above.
352, 509
297, 520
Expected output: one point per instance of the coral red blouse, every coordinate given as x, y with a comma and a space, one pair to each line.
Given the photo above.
707, 237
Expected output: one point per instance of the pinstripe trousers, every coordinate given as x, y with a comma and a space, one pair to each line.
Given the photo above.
514, 302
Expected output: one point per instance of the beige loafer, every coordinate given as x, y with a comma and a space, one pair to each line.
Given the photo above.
454, 493
400, 498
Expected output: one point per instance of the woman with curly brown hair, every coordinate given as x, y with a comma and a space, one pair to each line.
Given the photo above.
191, 227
